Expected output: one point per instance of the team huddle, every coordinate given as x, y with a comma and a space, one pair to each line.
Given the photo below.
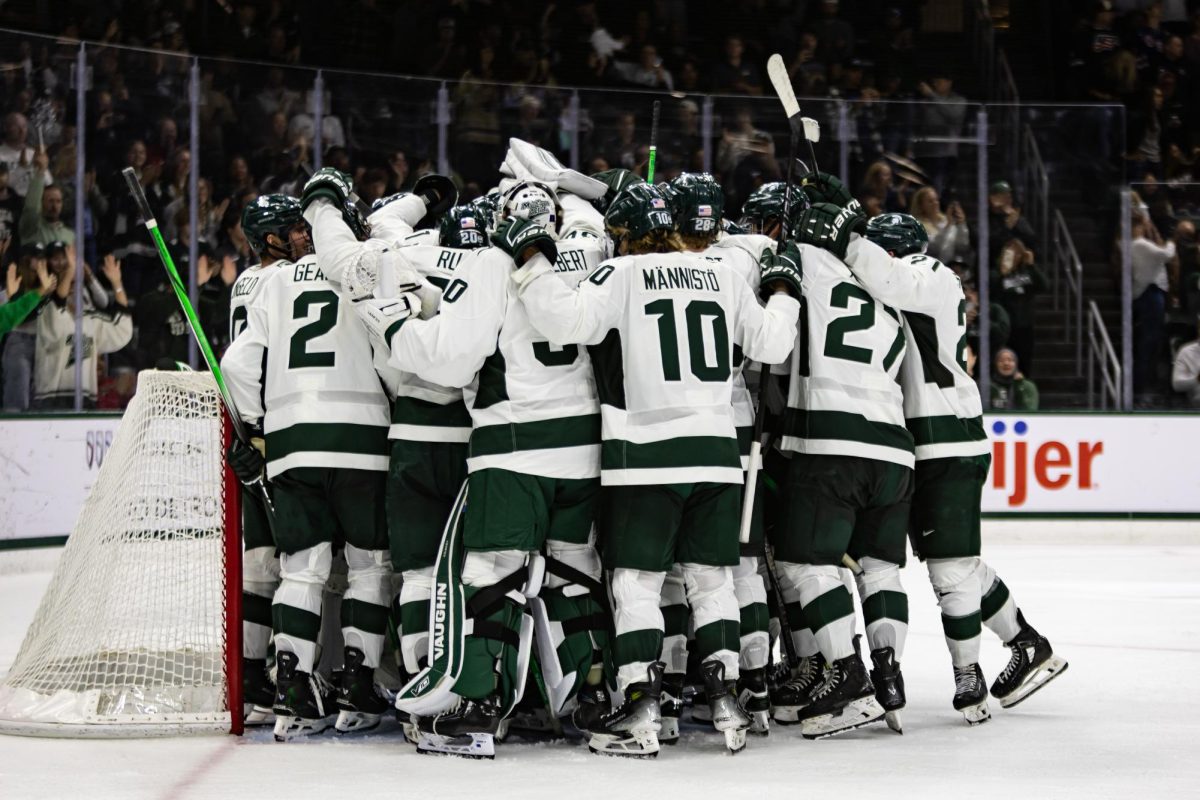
541, 415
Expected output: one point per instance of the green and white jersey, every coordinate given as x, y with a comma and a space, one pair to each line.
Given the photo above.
742, 252
532, 403
942, 407
662, 329
303, 365
245, 289
844, 395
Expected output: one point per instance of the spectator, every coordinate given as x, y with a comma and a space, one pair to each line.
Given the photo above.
734, 75
949, 236
18, 155
1151, 284
18, 304
397, 173
1005, 221
942, 116
877, 183
444, 57
1095, 56
647, 71
834, 35
304, 124
1145, 133
1016, 281
477, 108
21, 342
1185, 375
621, 149
1188, 251
41, 219
1010, 389
104, 332
10, 206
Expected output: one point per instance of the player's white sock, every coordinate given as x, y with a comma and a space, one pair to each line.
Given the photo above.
998, 608
884, 604
956, 583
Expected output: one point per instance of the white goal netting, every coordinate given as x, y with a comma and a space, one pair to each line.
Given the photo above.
130, 637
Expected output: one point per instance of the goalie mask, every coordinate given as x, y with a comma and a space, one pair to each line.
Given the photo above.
535, 202
278, 215
463, 228
899, 234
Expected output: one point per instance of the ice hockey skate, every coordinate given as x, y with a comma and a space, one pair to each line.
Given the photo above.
631, 730
304, 702
889, 686
970, 694
843, 702
728, 716
258, 693
671, 706
755, 698
1032, 666
467, 729
796, 693
360, 703
593, 704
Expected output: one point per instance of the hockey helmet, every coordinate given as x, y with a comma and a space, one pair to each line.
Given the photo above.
765, 207
271, 214
899, 234
639, 209
616, 180
463, 228
697, 203
534, 201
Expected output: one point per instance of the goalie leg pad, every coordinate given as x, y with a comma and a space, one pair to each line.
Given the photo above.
364, 605
884, 604
638, 622
296, 609
570, 622
497, 647
715, 615
751, 593
414, 618
956, 583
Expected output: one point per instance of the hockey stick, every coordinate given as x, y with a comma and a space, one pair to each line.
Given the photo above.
239, 427
809, 127
653, 141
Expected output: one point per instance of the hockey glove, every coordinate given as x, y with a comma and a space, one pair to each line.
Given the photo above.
829, 227
780, 268
438, 192
384, 316
329, 184
822, 187
518, 236
245, 460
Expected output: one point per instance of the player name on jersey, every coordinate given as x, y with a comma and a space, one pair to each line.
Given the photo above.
691, 278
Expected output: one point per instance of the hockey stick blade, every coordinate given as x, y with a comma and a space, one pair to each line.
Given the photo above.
812, 129
777, 72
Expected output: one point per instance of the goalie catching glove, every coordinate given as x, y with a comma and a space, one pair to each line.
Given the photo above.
825, 188
829, 227
246, 460
516, 236
385, 316
782, 267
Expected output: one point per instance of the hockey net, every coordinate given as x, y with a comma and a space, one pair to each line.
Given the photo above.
139, 631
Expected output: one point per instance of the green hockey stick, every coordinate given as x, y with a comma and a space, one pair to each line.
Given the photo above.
239, 427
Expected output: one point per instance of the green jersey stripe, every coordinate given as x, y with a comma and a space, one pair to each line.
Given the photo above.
412, 411
945, 428
491, 440
327, 437
806, 424
686, 451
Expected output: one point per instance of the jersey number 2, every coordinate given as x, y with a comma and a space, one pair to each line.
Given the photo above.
300, 355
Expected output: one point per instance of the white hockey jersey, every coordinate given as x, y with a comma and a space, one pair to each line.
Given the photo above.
245, 289
303, 364
663, 328
942, 407
54, 361
844, 395
533, 404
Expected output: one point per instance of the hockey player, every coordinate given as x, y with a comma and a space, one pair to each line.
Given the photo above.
276, 232
848, 485
670, 464
302, 368
942, 409
533, 465
698, 203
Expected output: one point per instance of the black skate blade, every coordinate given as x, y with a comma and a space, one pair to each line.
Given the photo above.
1047, 671
623, 754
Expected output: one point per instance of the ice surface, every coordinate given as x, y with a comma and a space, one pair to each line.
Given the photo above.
1124, 721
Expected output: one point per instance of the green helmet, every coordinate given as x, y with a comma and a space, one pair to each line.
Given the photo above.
638, 210
463, 228
267, 214
698, 202
616, 180
765, 205
488, 205
899, 234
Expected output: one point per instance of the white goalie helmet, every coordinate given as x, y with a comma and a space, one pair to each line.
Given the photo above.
534, 201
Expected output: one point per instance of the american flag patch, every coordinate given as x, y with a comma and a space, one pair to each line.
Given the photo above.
468, 222
704, 211
658, 203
